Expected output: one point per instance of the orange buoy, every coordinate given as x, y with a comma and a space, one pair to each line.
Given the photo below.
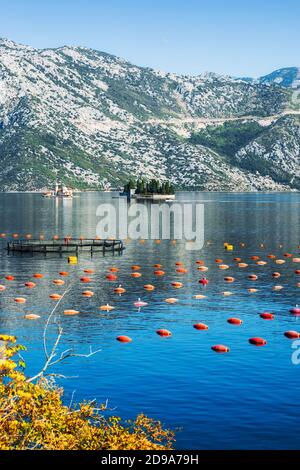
234, 321
287, 255
30, 285
159, 272
220, 348
10, 278
157, 266
89, 271
124, 339
257, 341
2, 288
3, 235
297, 271
177, 285
218, 260
178, 263
136, 274
71, 312
276, 275
171, 300
164, 333
114, 270
277, 288
119, 290
229, 279
20, 300
111, 277
32, 316
267, 316
38, 276
28, 236
223, 266
237, 260
58, 282
64, 273
255, 258
85, 280
271, 256
200, 326
135, 267
181, 270
149, 287
106, 308
242, 265
292, 334
87, 293
200, 262
55, 296
202, 268
252, 291
252, 277
15, 235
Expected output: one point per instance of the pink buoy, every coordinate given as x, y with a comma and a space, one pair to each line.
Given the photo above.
295, 310
139, 303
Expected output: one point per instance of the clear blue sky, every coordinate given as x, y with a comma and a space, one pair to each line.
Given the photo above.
237, 37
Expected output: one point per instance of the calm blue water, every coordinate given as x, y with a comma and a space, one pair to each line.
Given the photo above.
247, 399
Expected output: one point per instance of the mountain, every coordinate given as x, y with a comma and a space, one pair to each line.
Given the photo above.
288, 77
92, 120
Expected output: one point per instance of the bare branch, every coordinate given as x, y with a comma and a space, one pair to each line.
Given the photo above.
50, 356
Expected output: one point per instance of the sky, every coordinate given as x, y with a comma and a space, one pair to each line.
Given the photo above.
235, 37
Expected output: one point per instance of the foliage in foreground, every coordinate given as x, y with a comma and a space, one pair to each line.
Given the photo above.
32, 416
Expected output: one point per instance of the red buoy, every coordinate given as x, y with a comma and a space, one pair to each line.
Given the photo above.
257, 341
204, 281
200, 326
10, 278
234, 321
124, 339
220, 348
111, 277
267, 316
292, 334
164, 333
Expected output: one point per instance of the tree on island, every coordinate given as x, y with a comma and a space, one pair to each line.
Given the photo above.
153, 186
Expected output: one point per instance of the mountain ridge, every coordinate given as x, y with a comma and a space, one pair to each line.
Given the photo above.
93, 119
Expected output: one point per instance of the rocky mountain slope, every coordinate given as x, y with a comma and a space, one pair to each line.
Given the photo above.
92, 120
288, 77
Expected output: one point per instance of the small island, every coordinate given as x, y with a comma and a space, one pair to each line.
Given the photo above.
153, 190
